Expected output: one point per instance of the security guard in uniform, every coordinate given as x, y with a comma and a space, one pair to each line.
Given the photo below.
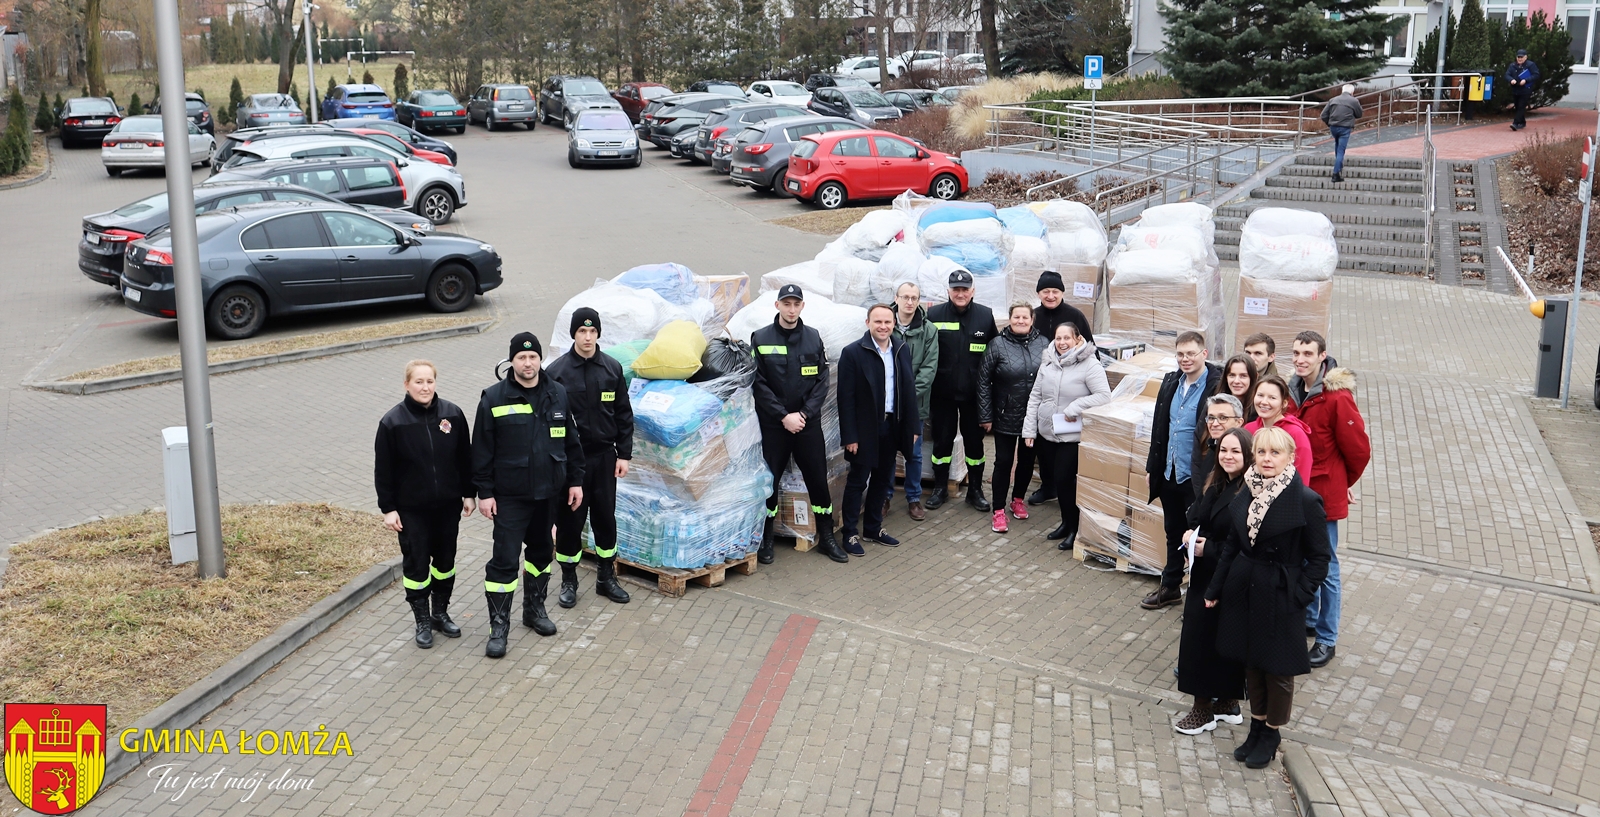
790, 388
598, 395
526, 458
965, 329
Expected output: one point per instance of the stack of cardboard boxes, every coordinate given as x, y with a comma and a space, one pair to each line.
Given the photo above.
1118, 523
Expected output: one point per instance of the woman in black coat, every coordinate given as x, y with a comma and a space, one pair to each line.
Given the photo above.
1214, 681
1005, 380
1269, 571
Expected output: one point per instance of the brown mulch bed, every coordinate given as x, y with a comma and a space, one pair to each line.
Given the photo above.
1538, 196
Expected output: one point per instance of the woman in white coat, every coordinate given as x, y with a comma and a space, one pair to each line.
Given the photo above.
1070, 380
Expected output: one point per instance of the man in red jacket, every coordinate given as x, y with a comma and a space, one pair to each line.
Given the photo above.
1341, 450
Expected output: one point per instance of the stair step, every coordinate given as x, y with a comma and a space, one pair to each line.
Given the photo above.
1359, 185
1350, 247
1336, 197
1353, 262
1353, 173
1326, 160
1337, 213
1344, 232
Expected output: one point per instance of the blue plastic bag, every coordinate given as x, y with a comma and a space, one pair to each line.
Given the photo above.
674, 282
977, 257
1022, 221
668, 412
956, 211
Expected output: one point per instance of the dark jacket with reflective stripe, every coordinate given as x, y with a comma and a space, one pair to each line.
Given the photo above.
598, 395
791, 372
527, 445
422, 455
963, 338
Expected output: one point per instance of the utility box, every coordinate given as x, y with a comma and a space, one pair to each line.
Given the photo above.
180, 495
1552, 348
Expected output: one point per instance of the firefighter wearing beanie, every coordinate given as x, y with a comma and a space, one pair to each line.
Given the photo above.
527, 461
598, 396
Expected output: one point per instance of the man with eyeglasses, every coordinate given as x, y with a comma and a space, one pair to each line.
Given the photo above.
1174, 448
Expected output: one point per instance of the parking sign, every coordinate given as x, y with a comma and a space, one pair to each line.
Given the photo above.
1093, 71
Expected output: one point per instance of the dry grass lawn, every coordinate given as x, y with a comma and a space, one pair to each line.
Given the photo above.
278, 346
254, 78
826, 222
98, 614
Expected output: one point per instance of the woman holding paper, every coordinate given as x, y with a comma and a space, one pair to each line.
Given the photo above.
1069, 381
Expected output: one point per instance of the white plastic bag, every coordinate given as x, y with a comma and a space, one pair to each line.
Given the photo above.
1183, 238
899, 265
626, 314
871, 236
946, 233
1161, 266
838, 324
1077, 247
806, 274
1284, 244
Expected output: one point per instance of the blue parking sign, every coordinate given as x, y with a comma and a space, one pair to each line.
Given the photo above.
1094, 67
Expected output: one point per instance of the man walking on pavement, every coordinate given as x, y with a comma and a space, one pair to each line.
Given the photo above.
1523, 74
913, 329
1341, 451
790, 387
877, 418
1180, 405
526, 459
1052, 311
965, 329
598, 395
1340, 115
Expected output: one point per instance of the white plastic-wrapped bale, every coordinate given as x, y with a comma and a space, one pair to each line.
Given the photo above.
1163, 278
626, 313
807, 275
1287, 258
870, 237
1190, 213
900, 264
1029, 257
851, 276
838, 324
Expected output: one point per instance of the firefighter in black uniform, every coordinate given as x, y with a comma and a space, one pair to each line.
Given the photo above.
526, 460
965, 329
598, 395
790, 388
422, 465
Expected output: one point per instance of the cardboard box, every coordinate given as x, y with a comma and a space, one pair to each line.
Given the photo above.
794, 510
1282, 309
729, 293
1154, 313
1147, 543
1109, 465
1143, 363
1109, 498
1098, 530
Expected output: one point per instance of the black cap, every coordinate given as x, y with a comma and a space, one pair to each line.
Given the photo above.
1050, 279
961, 278
1522, 52
791, 291
584, 316
525, 342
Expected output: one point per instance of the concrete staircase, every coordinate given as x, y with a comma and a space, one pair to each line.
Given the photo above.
1376, 211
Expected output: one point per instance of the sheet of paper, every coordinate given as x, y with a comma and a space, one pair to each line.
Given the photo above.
1064, 426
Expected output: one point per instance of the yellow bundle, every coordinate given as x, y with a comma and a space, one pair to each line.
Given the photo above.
674, 354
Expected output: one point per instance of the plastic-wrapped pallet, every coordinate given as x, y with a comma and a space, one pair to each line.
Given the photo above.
1286, 262
838, 324
627, 314
972, 235
850, 260
1163, 278
1075, 249
1119, 526
900, 264
794, 502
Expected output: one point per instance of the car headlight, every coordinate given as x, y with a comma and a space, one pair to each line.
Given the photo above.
863, 117
630, 142
956, 159
422, 226
486, 247
583, 144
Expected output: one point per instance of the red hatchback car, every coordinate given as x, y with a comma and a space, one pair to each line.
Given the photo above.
633, 96
829, 169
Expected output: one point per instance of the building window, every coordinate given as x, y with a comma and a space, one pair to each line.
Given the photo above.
1399, 46
1503, 10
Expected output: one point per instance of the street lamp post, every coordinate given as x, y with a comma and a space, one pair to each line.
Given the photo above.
186, 278
311, 70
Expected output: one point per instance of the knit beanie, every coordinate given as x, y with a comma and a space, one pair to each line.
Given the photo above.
525, 342
584, 316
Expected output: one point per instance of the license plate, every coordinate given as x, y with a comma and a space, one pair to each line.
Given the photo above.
606, 153
91, 238
132, 294
91, 122
793, 186
131, 145
513, 107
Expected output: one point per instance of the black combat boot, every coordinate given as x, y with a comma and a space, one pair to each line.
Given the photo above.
533, 614
941, 490
975, 496
825, 541
1257, 726
606, 583
499, 623
568, 597
419, 609
764, 553
440, 618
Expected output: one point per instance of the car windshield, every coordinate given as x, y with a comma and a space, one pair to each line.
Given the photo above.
367, 98
156, 203
139, 124
654, 92
194, 105
788, 90
274, 101
723, 88
583, 87
91, 107
604, 121
866, 98
435, 98
518, 92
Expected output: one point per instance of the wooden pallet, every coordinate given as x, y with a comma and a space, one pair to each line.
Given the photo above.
1120, 562
675, 582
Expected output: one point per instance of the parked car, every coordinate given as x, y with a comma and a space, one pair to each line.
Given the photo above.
866, 68
351, 180
84, 119
682, 145
634, 96
357, 101
602, 137
137, 141
401, 146
194, 107
862, 105
106, 235
911, 100
831, 169
735, 117
410, 136
562, 97
268, 260
778, 90
969, 62
716, 86
496, 105
923, 60
269, 110
760, 155
244, 136
953, 92
678, 113
816, 81
431, 109
433, 190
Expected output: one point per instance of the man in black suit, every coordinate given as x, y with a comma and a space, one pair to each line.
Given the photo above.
878, 417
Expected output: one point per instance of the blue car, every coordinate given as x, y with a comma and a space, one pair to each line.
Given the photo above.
357, 102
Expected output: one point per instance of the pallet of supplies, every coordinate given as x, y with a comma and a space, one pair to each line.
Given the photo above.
1286, 262
1112, 492
1163, 277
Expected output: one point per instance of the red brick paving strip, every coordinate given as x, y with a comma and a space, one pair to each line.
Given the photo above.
719, 789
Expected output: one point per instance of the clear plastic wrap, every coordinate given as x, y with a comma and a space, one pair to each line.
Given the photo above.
673, 282
838, 324
1163, 278
1282, 309
1117, 523
899, 265
1029, 257
870, 237
626, 354
1286, 262
626, 314
727, 294
667, 412
851, 276
807, 275
1023, 222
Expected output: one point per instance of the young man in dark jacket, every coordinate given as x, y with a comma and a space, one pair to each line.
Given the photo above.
1052, 311
1523, 74
422, 465
527, 460
965, 329
598, 394
1174, 434
790, 387
877, 419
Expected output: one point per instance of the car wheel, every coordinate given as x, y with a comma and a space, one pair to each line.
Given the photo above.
113, 172
830, 196
944, 187
531, 125
236, 312
436, 204
488, 121
572, 158
638, 158
451, 288
780, 181
459, 129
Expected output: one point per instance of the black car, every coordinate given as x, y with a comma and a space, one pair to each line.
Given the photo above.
911, 100
735, 117
410, 136
266, 260
85, 119
864, 105
106, 235
195, 107
678, 113
717, 86
561, 98
816, 81
760, 157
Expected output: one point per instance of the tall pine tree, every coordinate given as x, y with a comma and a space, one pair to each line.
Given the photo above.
1053, 35
1264, 47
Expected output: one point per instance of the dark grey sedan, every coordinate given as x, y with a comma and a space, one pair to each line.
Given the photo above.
760, 157
275, 259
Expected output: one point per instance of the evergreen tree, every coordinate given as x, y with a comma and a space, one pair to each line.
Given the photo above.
43, 120
1264, 47
366, 78
135, 105
235, 97
1055, 35
1469, 47
1548, 43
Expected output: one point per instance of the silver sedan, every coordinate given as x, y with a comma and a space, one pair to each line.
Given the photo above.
268, 110
137, 141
